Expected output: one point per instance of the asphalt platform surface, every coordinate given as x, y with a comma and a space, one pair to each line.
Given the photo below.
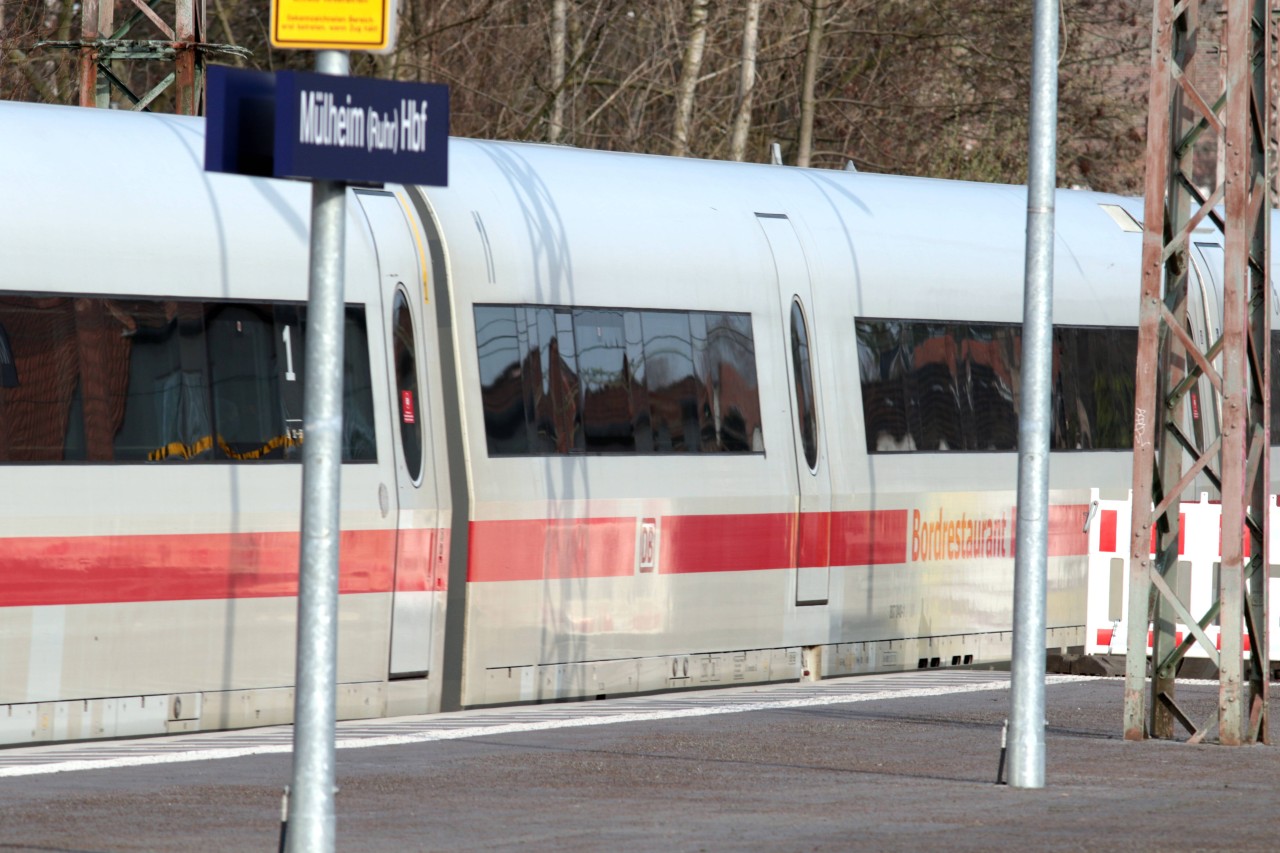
901, 762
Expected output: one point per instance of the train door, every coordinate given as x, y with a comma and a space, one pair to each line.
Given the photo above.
811, 529
416, 499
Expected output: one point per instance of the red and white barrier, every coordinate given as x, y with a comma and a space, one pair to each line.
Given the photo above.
1199, 548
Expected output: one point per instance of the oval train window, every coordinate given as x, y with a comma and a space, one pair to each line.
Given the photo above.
806, 411
405, 357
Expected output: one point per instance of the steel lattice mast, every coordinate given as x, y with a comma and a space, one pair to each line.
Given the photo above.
1168, 458
103, 43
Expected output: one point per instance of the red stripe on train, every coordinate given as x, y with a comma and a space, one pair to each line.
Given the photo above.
725, 543
175, 567
537, 549
717, 543
178, 567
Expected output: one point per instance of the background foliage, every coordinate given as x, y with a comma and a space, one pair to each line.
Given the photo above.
924, 87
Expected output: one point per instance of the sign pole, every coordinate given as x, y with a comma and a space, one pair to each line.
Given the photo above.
329, 128
1026, 720
312, 822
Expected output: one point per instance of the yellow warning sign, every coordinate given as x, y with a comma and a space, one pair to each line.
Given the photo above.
367, 25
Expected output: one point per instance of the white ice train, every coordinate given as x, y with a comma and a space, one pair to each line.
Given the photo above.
614, 424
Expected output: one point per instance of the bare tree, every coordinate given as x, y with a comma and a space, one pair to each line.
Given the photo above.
812, 57
927, 87
746, 80
559, 32
689, 71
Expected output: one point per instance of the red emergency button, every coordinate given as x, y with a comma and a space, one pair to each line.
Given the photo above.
406, 407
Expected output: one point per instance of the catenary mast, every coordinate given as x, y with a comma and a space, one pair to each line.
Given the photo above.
1186, 127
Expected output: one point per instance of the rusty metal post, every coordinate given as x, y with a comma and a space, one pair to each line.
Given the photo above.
88, 53
1169, 47
186, 96
106, 26
1246, 388
97, 18
1170, 362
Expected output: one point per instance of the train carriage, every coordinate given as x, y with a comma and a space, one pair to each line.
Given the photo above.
796, 534
613, 423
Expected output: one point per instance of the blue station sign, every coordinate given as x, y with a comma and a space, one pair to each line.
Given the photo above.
320, 126
361, 129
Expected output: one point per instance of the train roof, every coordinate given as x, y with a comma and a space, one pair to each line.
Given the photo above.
960, 244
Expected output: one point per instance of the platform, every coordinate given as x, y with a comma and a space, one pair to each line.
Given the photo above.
896, 762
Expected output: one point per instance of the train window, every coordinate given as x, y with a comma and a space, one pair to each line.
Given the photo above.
162, 377
934, 386
1094, 387
404, 357
730, 361
882, 366
566, 387
244, 381
605, 375
551, 391
538, 351
605, 380
359, 442
673, 397
990, 355
702, 382
121, 380
805, 408
641, 428
501, 384
287, 339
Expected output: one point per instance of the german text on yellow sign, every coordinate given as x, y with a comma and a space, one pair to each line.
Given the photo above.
334, 24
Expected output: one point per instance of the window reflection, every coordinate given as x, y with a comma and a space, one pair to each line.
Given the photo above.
883, 366
731, 370
604, 380
933, 351
991, 356
114, 380
673, 404
805, 407
501, 383
935, 386
605, 375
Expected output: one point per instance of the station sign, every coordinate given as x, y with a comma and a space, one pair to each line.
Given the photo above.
361, 129
297, 124
367, 25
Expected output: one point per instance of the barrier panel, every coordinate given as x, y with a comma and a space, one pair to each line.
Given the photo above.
1199, 555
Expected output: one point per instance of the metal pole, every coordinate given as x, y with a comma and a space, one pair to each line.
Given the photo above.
1026, 725
311, 816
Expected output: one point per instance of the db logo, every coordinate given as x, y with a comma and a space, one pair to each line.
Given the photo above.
648, 544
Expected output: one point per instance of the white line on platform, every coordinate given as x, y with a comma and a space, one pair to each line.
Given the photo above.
698, 710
